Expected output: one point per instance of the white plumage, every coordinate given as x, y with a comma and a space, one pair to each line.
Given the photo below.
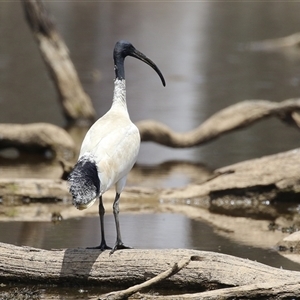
113, 142
109, 149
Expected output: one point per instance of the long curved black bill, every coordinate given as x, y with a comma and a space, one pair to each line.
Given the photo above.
139, 55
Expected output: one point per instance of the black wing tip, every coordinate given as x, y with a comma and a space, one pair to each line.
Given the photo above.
84, 183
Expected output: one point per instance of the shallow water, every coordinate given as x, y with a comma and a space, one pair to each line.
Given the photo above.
140, 231
200, 48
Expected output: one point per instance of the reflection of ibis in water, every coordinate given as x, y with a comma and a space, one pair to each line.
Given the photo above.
109, 149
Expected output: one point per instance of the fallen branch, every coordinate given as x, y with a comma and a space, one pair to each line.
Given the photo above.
38, 137
248, 185
269, 290
206, 271
157, 279
289, 246
25, 191
231, 118
239, 189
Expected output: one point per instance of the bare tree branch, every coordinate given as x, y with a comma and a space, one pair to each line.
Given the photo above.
203, 272
75, 102
157, 279
231, 118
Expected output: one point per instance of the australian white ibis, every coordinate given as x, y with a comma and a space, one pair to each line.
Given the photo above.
109, 149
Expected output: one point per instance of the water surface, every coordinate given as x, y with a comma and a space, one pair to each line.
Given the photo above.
200, 49
140, 231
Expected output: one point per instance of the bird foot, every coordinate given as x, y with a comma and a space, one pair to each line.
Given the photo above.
101, 247
118, 246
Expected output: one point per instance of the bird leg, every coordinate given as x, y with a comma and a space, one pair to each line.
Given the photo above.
103, 246
119, 244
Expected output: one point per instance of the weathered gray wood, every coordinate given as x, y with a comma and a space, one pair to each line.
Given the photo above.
268, 290
289, 246
256, 180
75, 102
231, 118
124, 294
205, 270
127, 267
38, 137
22, 191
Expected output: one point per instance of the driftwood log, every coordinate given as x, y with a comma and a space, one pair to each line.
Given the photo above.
244, 189
200, 271
75, 102
234, 117
257, 180
231, 118
38, 137
289, 246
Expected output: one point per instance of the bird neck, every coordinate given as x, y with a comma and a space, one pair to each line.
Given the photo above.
119, 66
120, 93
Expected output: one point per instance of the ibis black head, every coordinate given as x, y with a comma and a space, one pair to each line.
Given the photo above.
123, 49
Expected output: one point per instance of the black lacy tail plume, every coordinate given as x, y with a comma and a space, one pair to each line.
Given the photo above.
84, 182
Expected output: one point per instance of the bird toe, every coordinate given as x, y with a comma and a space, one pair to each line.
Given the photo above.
119, 246
101, 247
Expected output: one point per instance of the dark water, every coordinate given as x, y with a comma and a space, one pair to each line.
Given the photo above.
200, 49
